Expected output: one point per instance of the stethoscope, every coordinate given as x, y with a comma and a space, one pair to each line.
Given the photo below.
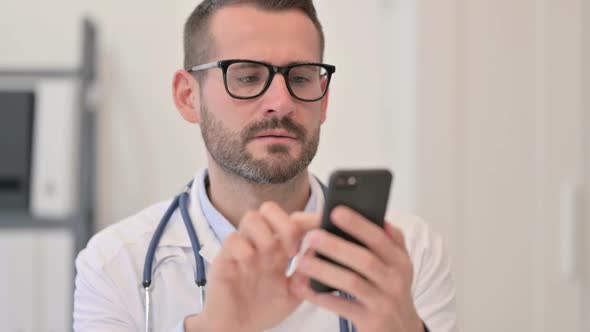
181, 202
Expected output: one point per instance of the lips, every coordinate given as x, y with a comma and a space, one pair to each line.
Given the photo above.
276, 134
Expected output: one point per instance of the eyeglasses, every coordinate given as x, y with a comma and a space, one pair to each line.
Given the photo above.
248, 79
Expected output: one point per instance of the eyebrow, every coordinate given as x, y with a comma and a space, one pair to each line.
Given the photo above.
248, 65
298, 62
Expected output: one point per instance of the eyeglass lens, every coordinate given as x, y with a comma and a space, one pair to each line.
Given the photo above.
245, 79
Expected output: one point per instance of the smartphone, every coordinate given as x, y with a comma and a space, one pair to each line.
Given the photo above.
365, 191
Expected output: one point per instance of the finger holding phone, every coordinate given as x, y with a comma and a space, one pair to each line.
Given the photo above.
366, 258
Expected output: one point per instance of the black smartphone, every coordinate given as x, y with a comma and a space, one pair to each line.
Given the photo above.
366, 191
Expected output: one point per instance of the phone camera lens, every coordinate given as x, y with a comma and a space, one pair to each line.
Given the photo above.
351, 181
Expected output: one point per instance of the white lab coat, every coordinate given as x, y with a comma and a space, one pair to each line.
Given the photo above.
109, 295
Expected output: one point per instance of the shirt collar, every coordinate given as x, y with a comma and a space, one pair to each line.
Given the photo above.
220, 226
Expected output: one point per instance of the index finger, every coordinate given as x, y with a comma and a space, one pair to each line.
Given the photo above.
289, 231
307, 220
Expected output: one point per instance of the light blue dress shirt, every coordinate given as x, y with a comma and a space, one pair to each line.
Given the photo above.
219, 224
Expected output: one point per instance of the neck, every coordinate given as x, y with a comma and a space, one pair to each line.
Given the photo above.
233, 195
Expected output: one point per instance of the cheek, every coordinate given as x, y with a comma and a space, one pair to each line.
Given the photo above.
311, 116
233, 113
214, 94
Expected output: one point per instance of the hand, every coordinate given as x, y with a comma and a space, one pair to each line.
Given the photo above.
247, 289
383, 292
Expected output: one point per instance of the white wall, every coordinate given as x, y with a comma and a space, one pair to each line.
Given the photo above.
500, 132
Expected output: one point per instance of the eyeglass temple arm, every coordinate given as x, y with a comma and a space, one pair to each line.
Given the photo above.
205, 66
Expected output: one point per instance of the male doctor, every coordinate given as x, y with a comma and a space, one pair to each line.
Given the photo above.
256, 201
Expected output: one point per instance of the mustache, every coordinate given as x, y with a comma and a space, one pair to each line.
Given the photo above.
285, 123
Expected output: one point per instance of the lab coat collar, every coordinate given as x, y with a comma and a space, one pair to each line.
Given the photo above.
175, 235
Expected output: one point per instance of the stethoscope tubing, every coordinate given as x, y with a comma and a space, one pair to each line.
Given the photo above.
200, 275
149, 257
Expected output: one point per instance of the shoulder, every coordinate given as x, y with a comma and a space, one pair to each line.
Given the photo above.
417, 233
433, 286
427, 249
132, 231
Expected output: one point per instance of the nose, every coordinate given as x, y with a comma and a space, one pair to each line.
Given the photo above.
278, 100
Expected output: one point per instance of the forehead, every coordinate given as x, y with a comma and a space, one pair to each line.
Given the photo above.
277, 37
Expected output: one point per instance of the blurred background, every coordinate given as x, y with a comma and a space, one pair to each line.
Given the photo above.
481, 108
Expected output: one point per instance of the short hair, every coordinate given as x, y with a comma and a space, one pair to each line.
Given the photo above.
197, 39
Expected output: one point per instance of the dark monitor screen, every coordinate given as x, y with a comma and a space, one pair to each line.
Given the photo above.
16, 135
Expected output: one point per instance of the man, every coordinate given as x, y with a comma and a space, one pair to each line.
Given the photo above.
260, 119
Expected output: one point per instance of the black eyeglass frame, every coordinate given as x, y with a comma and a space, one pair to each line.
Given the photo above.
272, 70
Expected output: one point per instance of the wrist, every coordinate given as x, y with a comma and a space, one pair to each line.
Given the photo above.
420, 325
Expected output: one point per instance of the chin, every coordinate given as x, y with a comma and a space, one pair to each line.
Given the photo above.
276, 151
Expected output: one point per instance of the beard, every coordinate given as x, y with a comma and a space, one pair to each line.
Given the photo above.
229, 151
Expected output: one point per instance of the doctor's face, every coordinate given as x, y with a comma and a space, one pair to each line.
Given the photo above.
273, 137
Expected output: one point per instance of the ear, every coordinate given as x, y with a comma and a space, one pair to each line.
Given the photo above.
185, 91
324, 101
